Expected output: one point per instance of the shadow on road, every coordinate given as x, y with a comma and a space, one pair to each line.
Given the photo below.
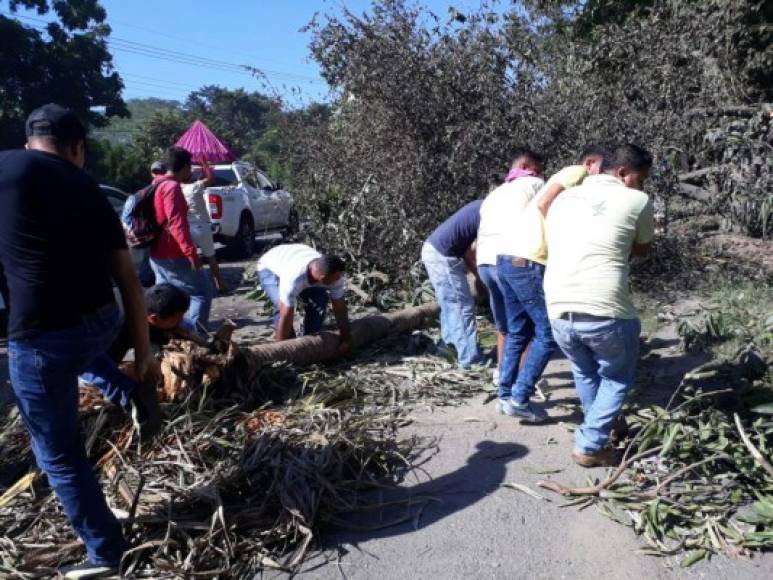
424, 504
661, 368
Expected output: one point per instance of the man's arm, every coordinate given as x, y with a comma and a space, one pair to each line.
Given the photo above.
341, 313
209, 175
176, 211
284, 328
189, 335
560, 182
546, 200
645, 231
470, 259
136, 316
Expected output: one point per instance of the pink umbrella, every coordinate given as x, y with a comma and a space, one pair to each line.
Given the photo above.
204, 144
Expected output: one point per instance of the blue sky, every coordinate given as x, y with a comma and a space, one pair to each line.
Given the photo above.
208, 40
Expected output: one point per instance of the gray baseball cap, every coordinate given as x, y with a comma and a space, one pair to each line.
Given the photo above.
158, 167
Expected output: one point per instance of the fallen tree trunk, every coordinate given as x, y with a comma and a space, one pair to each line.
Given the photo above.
695, 192
324, 346
699, 174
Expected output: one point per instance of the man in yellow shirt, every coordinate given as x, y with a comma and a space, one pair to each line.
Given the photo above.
592, 230
520, 268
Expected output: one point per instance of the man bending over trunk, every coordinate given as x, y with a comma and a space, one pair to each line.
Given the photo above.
290, 272
448, 254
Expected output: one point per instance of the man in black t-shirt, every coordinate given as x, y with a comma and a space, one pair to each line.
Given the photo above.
61, 248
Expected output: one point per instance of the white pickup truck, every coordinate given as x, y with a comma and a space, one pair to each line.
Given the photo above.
244, 202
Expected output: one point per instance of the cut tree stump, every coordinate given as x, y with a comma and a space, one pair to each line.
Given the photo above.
323, 346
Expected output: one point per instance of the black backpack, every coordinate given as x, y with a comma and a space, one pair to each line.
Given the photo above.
139, 217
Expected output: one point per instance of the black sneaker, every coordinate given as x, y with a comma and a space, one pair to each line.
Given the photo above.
146, 411
88, 571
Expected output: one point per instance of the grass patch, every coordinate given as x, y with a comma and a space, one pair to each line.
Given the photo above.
736, 314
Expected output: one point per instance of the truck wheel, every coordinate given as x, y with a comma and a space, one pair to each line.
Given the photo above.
242, 246
293, 225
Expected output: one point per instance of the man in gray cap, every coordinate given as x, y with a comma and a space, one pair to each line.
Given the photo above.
157, 168
63, 313
141, 256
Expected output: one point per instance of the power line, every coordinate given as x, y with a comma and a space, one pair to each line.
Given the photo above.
164, 81
177, 57
160, 86
181, 58
172, 53
203, 59
198, 43
178, 95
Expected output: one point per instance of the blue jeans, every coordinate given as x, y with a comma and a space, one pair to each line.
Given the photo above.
490, 278
603, 353
457, 307
314, 301
103, 373
527, 321
44, 374
141, 259
197, 284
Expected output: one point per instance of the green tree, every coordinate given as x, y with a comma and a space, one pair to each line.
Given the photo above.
125, 166
65, 61
238, 117
429, 109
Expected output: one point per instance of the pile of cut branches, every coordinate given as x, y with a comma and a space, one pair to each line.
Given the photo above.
250, 463
696, 479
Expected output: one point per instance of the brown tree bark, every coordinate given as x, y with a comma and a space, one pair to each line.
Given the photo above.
324, 345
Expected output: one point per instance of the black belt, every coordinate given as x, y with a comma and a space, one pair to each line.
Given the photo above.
582, 317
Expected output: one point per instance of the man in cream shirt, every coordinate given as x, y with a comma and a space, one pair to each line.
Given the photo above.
520, 268
592, 231
497, 213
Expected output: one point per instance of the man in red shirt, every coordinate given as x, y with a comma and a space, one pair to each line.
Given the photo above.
173, 255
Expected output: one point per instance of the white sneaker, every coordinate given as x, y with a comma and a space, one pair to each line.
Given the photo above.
495, 376
88, 571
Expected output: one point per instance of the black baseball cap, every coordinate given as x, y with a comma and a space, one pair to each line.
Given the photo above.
54, 120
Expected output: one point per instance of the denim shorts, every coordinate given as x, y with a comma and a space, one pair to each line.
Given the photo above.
489, 277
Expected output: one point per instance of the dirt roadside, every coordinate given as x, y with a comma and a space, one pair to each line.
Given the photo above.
464, 524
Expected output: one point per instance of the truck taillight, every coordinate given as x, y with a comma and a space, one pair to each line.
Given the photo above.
215, 206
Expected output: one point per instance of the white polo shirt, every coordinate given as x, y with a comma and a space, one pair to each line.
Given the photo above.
197, 205
498, 214
290, 263
590, 231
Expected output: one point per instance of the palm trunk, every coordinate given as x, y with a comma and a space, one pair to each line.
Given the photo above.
324, 345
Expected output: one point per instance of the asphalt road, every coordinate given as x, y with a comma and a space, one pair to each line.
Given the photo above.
469, 526
464, 524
